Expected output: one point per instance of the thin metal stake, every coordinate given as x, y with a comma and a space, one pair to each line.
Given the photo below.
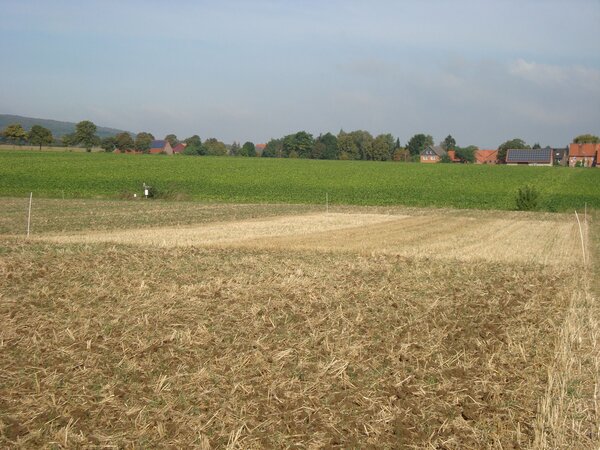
29, 215
327, 202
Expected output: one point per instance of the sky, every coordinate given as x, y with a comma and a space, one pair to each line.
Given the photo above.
483, 71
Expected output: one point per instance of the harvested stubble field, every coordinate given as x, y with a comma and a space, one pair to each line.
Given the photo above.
282, 326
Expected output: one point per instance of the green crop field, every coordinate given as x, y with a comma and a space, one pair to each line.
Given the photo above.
256, 180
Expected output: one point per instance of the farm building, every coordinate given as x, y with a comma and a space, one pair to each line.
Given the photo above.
486, 156
530, 156
433, 154
260, 148
584, 155
560, 156
453, 157
161, 146
179, 148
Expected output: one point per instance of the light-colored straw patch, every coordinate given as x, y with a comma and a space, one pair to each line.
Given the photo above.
228, 233
461, 238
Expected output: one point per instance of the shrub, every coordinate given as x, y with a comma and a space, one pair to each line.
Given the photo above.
527, 198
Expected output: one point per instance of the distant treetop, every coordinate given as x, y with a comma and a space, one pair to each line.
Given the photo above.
586, 139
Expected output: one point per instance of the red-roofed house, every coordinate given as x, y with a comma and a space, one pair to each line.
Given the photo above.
584, 155
452, 156
179, 148
260, 148
486, 156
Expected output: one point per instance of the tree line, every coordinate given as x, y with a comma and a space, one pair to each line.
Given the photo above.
354, 145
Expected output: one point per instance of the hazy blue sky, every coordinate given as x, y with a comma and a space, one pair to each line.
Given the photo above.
484, 71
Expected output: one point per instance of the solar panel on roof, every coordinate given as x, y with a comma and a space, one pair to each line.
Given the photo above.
529, 155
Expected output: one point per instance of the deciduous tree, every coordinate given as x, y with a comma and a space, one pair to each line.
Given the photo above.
124, 141
235, 149
215, 147
15, 133
466, 154
39, 135
587, 139
108, 144
328, 146
273, 149
347, 147
194, 146
449, 143
418, 143
143, 141
299, 145
515, 143
382, 148
172, 139
248, 149
85, 134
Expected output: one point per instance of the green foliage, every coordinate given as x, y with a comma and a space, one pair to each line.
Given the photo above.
299, 145
143, 141
515, 143
108, 144
445, 158
39, 135
235, 149
124, 141
418, 143
57, 128
69, 140
449, 143
536, 145
85, 134
401, 154
194, 146
527, 198
586, 139
347, 147
215, 147
273, 149
172, 139
382, 148
15, 133
258, 180
248, 149
328, 147
357, 144
466, 154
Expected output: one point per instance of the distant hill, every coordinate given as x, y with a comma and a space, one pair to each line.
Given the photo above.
57, 128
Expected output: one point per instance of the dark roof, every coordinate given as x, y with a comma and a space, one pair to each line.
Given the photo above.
530, 155
559, 153
438, 150
158, 144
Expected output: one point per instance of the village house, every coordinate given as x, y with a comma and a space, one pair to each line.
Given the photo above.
583, 155
530, 156
179, 148
561, 156
433, 154
486, 156
453, 157
161, 146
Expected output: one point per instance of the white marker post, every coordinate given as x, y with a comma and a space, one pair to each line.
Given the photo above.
29, 215
581, 235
